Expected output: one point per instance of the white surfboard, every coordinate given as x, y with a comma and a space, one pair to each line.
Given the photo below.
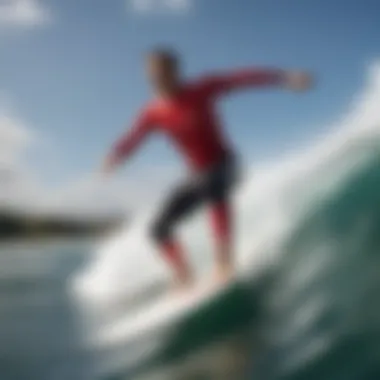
160, 314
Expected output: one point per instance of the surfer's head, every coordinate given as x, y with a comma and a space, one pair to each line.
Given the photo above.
163, 70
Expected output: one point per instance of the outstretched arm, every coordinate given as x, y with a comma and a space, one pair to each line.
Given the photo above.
255, 77
129, 142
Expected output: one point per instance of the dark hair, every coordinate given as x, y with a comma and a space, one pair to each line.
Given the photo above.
165, 54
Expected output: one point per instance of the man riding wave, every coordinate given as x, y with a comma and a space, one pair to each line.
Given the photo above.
184, 110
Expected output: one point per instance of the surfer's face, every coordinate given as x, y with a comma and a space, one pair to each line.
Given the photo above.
162, 71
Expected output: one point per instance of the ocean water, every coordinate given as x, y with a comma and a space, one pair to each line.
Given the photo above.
305, 305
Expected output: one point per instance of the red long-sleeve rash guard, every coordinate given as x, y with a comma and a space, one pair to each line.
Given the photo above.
189, 119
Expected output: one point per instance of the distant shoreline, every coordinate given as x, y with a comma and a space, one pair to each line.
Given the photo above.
35, 228
46, 242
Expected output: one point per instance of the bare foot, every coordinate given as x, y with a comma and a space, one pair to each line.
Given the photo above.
223, 274
182, 285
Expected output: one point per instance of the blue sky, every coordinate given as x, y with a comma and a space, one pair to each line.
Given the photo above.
73, 72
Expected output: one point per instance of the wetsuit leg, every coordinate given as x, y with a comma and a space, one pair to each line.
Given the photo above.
221, 182
180, 204
221, 221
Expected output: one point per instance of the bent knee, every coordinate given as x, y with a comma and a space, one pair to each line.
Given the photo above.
160, 231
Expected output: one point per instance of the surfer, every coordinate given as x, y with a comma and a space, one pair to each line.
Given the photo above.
185, 112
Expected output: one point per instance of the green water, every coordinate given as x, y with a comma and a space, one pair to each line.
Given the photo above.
323, 307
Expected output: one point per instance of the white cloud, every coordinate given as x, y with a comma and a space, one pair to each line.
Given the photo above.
15, 137
18, 188
23, 13
148, 6
22, 189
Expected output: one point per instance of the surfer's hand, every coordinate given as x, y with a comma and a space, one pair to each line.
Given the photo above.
298, 80
108, 166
